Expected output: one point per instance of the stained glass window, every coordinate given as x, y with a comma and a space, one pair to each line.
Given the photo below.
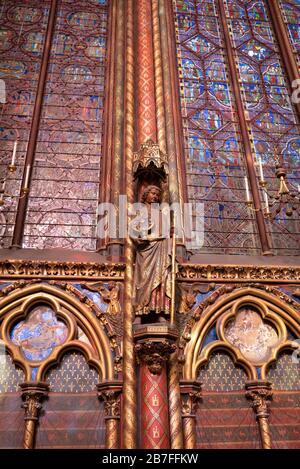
291, 14
272, 120
214, 150
64, 190
22, 33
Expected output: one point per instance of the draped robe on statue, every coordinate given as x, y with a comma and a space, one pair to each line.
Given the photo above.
153, 277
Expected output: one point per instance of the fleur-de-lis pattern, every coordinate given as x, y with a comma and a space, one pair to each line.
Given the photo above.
220, 374
73, 375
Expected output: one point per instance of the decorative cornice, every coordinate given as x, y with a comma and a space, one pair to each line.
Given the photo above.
238, 273
61, 270
34, 269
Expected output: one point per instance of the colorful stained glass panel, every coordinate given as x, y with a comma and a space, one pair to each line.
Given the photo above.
213, 149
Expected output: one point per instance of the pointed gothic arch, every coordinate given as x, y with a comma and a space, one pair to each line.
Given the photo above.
275, 309
17, 306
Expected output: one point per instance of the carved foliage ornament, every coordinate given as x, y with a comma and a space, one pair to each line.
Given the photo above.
190, 403
260, 395
111, 403
196, 273
16, 268
154, 354
33, 394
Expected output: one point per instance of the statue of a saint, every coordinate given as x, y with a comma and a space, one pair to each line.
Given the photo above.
152, 276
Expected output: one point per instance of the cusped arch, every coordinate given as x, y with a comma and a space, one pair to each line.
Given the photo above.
16, 306
273, 308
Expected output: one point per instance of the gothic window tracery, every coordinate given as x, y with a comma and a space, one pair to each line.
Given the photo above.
214, 148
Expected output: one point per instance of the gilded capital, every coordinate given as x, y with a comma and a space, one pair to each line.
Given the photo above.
33, 394
110, 394
190, 397
260, 393
155, 353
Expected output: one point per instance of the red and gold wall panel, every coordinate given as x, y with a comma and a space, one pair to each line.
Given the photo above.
225, 419
73, 415
11, 413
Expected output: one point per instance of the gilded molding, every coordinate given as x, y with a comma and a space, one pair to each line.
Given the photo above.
101, 315
73, 312
129, 409
238, 273
223, 290
176, 433
158, 77
110, 296
116, 271
63, 270
190, 398
269, 300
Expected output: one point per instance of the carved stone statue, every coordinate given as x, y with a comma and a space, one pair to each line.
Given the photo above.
152, 277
